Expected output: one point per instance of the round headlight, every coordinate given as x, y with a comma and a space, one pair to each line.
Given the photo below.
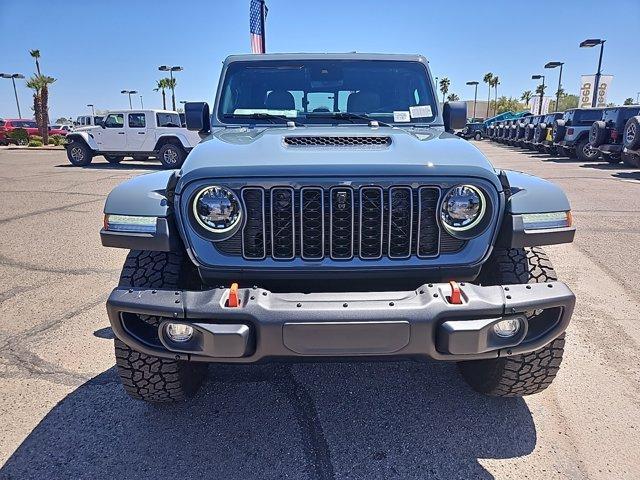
462, 208
217, 209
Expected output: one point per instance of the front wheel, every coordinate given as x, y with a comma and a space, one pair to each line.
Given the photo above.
527, 373
171, 156
147, 377
477, 136
79, 154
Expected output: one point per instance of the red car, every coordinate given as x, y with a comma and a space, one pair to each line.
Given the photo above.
59, 130
10, 124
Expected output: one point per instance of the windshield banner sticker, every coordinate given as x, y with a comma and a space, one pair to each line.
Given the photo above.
401, 116
421, 111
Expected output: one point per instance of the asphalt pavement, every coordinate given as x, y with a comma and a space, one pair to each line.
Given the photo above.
64, 415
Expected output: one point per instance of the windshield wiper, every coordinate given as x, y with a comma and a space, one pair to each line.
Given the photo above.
348, 116
264, 116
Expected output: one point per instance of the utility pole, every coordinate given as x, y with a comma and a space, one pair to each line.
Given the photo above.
13, 77
592, 42
475, 97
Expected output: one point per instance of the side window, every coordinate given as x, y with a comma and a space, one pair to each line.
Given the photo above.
137, 120
114, 120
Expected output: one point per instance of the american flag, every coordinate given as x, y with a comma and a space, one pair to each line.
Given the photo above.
258, 12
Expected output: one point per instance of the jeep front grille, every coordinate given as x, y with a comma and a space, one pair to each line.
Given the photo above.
341, 223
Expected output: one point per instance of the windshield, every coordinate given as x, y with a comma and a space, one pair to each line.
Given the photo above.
318, 91
24, 124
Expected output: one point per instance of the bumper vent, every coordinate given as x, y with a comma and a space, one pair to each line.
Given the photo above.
342, 141
369, 222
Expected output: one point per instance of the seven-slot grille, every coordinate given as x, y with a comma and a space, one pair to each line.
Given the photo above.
369, 222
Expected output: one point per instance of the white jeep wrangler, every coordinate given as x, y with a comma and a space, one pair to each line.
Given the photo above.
140, 134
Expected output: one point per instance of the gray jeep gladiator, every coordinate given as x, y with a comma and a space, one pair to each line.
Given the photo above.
331, 213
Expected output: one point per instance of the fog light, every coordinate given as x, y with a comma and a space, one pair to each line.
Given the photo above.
179, 332
507, 328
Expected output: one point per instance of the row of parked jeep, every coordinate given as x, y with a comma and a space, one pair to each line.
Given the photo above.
611, 133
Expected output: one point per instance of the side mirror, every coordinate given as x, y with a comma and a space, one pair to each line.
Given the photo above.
454, 115
197, 116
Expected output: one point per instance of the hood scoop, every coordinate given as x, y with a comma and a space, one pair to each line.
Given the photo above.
337, 141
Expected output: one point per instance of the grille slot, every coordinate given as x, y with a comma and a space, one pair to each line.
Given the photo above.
283, 223
371, 222
340, 222
253, 235
428, 226
400, 222
312, 223
340, 141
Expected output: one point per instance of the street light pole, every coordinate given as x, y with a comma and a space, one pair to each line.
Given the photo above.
554, 65
592, 42
93, 110
475, 97
171, 69
141, 103
129, 92
538, 77
13, 77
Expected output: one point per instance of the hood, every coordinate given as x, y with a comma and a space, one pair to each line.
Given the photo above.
419, 151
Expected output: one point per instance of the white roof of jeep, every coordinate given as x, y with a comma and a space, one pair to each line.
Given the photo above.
326, 56
140, 110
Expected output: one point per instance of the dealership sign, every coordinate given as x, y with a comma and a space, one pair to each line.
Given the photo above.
535, 101
587, 84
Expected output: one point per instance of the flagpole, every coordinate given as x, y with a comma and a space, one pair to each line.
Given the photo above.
264, 27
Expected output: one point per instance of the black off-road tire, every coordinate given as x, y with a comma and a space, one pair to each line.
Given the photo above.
582, 155
631, 135
631, 159
114, 159
477, 136
79, 153
147, 377
171, 156
525, 374
598, 133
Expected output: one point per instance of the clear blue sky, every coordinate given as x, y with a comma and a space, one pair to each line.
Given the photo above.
96, 48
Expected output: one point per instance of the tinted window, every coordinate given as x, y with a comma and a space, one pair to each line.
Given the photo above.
24, 124
115, 120
136, 120
300, 88
587, 116
168, 119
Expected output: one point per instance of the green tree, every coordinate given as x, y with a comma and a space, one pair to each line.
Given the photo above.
495, 81
540, 89
445, 83
504, 104
452, 97
628, 101
40, 84
526, 97
488, 79
162, 85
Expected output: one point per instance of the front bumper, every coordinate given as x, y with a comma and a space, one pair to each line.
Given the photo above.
420, 323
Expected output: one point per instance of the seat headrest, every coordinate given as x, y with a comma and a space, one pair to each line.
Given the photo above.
280, 100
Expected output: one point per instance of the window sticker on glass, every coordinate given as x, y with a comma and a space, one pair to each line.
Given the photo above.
421, 111
401, 116
251, 111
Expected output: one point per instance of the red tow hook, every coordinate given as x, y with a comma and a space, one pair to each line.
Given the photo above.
456, 294
233, 301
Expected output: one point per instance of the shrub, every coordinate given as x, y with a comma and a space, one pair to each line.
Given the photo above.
36, 138
18, 136
56, 140
35, 143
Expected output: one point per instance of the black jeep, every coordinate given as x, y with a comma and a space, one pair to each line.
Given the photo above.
473, 130
521, 130
571, 133
530, 130
606, 134
543, 133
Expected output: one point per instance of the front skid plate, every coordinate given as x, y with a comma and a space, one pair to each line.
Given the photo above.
347, 323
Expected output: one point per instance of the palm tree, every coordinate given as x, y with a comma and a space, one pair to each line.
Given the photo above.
488, 79
171, 83
40, 85
495, 82
444, 86
161, 86
452, 97
540, 89
526, 96
36, 55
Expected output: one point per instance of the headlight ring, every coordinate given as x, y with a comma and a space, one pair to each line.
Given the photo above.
463, 208
217, 209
